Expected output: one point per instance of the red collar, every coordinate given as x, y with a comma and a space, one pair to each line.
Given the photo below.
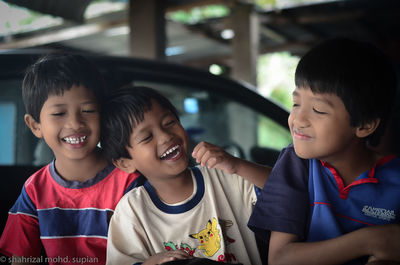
344, 191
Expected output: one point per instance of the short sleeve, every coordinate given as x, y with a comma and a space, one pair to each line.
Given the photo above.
21, 235
283, 204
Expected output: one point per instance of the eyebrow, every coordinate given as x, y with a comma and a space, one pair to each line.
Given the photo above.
316, 98
83, 103
324, 100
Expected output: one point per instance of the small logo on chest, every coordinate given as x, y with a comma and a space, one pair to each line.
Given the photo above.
380, 213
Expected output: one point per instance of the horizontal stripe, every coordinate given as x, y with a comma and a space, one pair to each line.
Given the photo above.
21, 213
341, 215
352, 219
75, 209
77, 236
56, 222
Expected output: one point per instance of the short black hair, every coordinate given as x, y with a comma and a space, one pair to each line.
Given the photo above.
358, 73
56, 72
122, 112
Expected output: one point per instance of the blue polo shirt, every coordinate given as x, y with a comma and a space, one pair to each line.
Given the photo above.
306, 197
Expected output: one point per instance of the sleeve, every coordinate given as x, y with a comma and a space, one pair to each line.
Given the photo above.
283, 204
248, 190
21, 235
126, 243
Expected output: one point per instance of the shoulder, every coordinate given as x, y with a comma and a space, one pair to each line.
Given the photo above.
390, 165
289, 161
38, 178
220, 178
120, 181
211, 174
134, 198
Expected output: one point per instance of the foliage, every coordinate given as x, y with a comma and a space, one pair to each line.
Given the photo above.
272, 135
198, 14
276, 76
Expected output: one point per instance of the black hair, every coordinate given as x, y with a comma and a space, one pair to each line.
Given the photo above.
358, 73
122, 112
54, 73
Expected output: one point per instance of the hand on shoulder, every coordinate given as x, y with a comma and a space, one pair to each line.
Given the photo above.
212, 156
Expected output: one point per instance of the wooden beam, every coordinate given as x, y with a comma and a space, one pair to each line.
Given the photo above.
147, 37
60, 35
245, 43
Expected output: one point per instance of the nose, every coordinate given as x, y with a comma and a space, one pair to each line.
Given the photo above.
299, 118
75, 121
165, 136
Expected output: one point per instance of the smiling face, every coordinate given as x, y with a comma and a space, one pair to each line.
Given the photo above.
320, 125
69, 123
158, 145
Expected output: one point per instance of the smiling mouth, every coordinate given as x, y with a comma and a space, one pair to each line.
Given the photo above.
300, 135
74, 140
171, 153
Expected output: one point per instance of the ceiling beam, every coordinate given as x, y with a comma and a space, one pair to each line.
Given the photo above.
61, 35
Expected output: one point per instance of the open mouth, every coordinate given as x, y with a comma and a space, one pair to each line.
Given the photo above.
171, 153
74, 140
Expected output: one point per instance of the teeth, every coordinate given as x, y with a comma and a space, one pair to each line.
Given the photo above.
74, 140
169, 151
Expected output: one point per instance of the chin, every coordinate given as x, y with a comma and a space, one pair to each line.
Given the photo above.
302, 152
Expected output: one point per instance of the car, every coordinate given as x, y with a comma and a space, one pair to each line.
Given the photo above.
212, 108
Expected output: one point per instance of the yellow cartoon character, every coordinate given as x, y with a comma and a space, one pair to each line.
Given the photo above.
209, 238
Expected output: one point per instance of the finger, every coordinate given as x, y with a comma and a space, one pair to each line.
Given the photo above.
179, 254
204, 157
196, 149
200, 153
210, 159
212, 162
199, 146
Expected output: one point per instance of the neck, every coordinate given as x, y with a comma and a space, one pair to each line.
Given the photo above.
175, 189
80, 169
354, 161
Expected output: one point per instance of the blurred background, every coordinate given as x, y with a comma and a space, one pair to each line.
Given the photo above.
255, 42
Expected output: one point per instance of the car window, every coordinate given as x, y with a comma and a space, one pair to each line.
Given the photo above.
208, 111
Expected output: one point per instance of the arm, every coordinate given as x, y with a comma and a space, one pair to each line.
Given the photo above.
21, 236
381, 242
214, 156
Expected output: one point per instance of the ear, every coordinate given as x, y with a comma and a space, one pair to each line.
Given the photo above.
367, 128
33, 125
125, 164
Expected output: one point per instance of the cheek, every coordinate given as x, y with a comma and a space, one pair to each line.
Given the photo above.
290, 121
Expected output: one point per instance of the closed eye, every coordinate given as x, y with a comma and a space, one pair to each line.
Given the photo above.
171, 122
146, 139
89, 111
318, 112
58, 113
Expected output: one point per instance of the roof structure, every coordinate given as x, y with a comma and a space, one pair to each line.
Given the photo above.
294, 29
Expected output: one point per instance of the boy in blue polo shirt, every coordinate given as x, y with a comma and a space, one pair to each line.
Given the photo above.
330, 199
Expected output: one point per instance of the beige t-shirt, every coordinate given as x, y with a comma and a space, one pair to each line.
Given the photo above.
211, 223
